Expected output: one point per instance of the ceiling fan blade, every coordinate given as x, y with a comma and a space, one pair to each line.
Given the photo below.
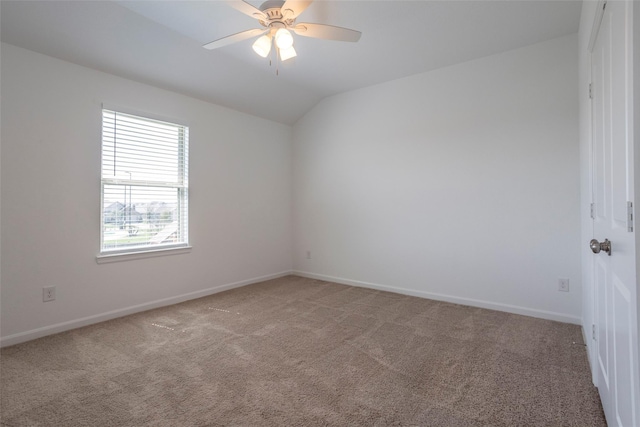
327, 32
247, 9
292, 8
234, 38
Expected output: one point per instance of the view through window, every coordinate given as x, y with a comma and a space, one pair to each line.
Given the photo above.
144, 183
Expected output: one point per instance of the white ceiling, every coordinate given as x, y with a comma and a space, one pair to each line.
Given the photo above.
159, 43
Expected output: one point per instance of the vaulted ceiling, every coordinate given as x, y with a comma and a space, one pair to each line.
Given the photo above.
160, 43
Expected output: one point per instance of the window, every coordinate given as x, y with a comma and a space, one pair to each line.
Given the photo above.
144, 184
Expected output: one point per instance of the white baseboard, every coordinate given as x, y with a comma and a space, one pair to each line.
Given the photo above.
85, 321
532, 312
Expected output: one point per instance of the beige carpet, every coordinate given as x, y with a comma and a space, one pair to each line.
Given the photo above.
296, 351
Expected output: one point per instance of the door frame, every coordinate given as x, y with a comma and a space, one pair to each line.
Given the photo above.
590, 268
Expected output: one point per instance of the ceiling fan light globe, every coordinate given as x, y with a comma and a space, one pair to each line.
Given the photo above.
287, 53
262, 46
284, 39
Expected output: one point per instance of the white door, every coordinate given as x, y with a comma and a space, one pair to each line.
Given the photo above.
612, 172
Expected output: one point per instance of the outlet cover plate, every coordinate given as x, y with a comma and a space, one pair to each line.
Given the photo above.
48, 293
563, 284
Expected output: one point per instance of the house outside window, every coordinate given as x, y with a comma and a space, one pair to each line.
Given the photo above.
144, 184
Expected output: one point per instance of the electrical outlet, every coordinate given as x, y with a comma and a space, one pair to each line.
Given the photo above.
48, 293
308, 254
563, 284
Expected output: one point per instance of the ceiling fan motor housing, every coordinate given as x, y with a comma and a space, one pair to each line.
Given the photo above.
275, 17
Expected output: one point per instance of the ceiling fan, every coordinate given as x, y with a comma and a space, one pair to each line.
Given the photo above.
278, 20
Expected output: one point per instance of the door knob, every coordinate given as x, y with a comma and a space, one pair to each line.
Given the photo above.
596, 246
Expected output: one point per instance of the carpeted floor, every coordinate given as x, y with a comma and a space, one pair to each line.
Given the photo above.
301, 352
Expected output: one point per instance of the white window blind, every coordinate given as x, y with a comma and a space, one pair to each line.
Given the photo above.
144, 184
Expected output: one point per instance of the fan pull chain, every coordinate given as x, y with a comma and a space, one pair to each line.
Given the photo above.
271, 60
272, 54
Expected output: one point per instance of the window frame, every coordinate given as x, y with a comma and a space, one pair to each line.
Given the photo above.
130, 253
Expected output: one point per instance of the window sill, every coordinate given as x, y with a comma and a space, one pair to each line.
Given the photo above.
128, 256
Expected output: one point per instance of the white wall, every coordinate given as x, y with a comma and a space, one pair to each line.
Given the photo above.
240, 198
460, 184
